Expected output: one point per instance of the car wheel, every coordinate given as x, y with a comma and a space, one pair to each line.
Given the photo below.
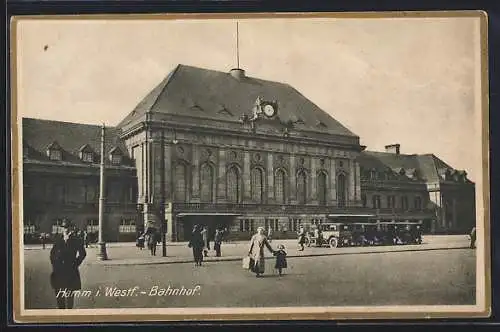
333, 242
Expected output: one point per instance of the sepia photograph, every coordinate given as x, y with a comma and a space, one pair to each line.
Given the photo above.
250, 166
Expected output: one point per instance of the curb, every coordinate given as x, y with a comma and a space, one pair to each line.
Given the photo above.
234, 259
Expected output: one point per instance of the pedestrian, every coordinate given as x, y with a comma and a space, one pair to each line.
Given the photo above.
473, 238
196, 243
85, 238
66, 255
281, 262
43, 238
269, 234
139, 242
206, 241
218, 241
256, 252
301, 237
151, 240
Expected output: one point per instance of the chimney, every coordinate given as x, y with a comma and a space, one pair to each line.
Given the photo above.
392, 148
237, 73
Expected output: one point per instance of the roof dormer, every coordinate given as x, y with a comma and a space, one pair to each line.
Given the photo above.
116, 156
54, 151
87, 154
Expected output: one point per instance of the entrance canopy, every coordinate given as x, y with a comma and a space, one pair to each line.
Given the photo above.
351, 215
208, 214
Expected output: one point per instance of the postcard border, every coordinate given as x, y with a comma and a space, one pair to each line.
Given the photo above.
325, 313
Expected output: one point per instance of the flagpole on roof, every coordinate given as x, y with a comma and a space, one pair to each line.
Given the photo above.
102, 255
237, 46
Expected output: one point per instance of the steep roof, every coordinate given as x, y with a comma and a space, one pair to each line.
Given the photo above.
428, 166
218, 95
39, 134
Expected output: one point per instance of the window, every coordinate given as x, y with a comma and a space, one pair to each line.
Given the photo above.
376, 202
206, 185
293, 224
373, 174
56, 227
91, 194
404, 203
233, 185
302, 187
29, 227
391, 202
180, 183
341, 190
363, 199
127, 226
247, 225
87, 157
273, 223
322, 188
92, 226
55, 154
418, 203
279, 187
116, 159
59, 193
257, 185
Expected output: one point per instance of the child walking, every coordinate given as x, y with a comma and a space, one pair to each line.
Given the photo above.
280, 259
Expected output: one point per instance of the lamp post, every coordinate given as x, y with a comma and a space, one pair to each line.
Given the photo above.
102, 255
162, 197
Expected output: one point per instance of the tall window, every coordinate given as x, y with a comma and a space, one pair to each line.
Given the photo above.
391, 202
376, 202
91, 193
257, 185
206, 186
404, 203
341, 190
180, 183
233, 185
363, 199
279, 187
418, 203
302, 187
322, 188
60, 193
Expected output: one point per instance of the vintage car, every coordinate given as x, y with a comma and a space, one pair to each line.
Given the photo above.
330, 234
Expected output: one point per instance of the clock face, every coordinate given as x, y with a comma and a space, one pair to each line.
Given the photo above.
269, 110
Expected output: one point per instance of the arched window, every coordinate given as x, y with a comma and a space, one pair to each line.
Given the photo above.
257, 185
341, 190
301, 187
206, 183
279, 186
322, 188
180, 183
233, 185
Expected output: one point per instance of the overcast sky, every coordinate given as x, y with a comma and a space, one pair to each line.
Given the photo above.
411, 81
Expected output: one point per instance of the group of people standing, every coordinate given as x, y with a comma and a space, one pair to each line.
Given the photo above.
149, 238
200, 243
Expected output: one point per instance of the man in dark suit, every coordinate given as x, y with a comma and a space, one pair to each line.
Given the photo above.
66, 255
473, 238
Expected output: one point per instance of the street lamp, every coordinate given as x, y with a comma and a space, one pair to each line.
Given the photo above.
102, 255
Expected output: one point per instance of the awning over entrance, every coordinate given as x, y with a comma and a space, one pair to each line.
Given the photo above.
209, 214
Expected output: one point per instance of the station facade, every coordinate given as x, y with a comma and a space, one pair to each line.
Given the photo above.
228, 150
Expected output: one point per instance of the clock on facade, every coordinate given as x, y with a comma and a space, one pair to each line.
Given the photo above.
269, 110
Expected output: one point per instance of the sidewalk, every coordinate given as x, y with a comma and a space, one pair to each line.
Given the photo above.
128, 254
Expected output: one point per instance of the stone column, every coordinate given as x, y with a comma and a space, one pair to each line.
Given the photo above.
270, 178
246, 177
358, 181
195, 176
221, 177
333, 182
352, 182
169, 189
292, 189
313, 187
